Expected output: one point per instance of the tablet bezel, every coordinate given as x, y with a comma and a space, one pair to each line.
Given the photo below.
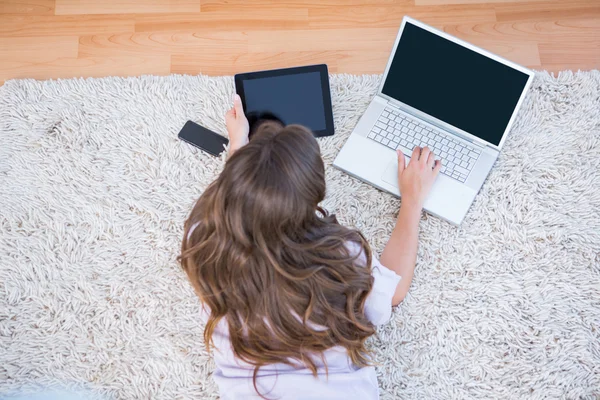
325, 89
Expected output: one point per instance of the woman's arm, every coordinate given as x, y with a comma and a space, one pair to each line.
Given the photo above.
237, 126
415, 181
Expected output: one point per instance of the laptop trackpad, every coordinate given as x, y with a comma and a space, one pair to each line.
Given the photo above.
390, 175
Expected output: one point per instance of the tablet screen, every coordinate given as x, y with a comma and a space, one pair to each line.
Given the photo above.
294, 99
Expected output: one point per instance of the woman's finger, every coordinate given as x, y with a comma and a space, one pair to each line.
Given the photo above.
401, 162
425, 155
430, 160
437, 167
237, 105
416, 153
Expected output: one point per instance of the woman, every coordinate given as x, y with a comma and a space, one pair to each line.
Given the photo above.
289, 295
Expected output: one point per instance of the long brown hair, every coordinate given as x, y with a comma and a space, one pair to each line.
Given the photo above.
265, 257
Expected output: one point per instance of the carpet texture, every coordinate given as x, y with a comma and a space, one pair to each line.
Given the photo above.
95, 186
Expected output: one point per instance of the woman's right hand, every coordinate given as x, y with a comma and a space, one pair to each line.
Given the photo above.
416, 178
237, 125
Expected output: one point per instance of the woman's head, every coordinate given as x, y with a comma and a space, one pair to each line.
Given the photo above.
274, 184
263, 255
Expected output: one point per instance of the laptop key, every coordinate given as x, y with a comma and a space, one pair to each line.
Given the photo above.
461, 170
405, 150
385, 141
371, 135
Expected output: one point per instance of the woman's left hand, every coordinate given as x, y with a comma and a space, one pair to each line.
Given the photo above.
237, 125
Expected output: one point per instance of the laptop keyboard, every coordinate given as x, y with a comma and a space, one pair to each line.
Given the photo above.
398, 131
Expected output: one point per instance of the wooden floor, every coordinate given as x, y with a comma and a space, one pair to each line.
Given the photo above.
67, 38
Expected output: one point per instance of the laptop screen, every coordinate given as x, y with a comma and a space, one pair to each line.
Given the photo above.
454, 84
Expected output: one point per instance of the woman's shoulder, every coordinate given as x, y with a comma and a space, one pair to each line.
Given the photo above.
378, 306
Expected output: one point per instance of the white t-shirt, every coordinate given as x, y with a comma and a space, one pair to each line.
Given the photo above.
279, 381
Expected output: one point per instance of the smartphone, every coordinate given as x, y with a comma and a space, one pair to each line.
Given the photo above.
203, 138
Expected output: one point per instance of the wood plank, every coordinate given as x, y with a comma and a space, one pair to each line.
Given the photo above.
358, 62
211, 5
572, 66
585, 53
213, 42
230, 19
446, 2
364, 62
37, 49
87, 67
27, 7
391, 16
63, 25
548, 10
561, 30
230, 64
321, 39
70, 7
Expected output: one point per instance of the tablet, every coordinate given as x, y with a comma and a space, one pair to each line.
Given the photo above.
298, 95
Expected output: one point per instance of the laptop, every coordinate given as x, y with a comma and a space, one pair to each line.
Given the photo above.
441, 92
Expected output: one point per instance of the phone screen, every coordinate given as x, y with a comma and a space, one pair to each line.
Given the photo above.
199, 136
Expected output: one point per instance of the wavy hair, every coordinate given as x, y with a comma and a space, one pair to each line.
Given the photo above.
265, 257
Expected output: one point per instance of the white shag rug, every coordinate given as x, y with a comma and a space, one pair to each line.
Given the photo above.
95, 186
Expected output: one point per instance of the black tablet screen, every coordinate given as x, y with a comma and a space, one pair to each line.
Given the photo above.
294, 99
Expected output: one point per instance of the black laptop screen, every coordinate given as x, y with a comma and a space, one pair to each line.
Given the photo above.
294, 99
454, 84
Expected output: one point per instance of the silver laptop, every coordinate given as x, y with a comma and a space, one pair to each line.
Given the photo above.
441, 92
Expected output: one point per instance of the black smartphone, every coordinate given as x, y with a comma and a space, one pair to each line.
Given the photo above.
203, 138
